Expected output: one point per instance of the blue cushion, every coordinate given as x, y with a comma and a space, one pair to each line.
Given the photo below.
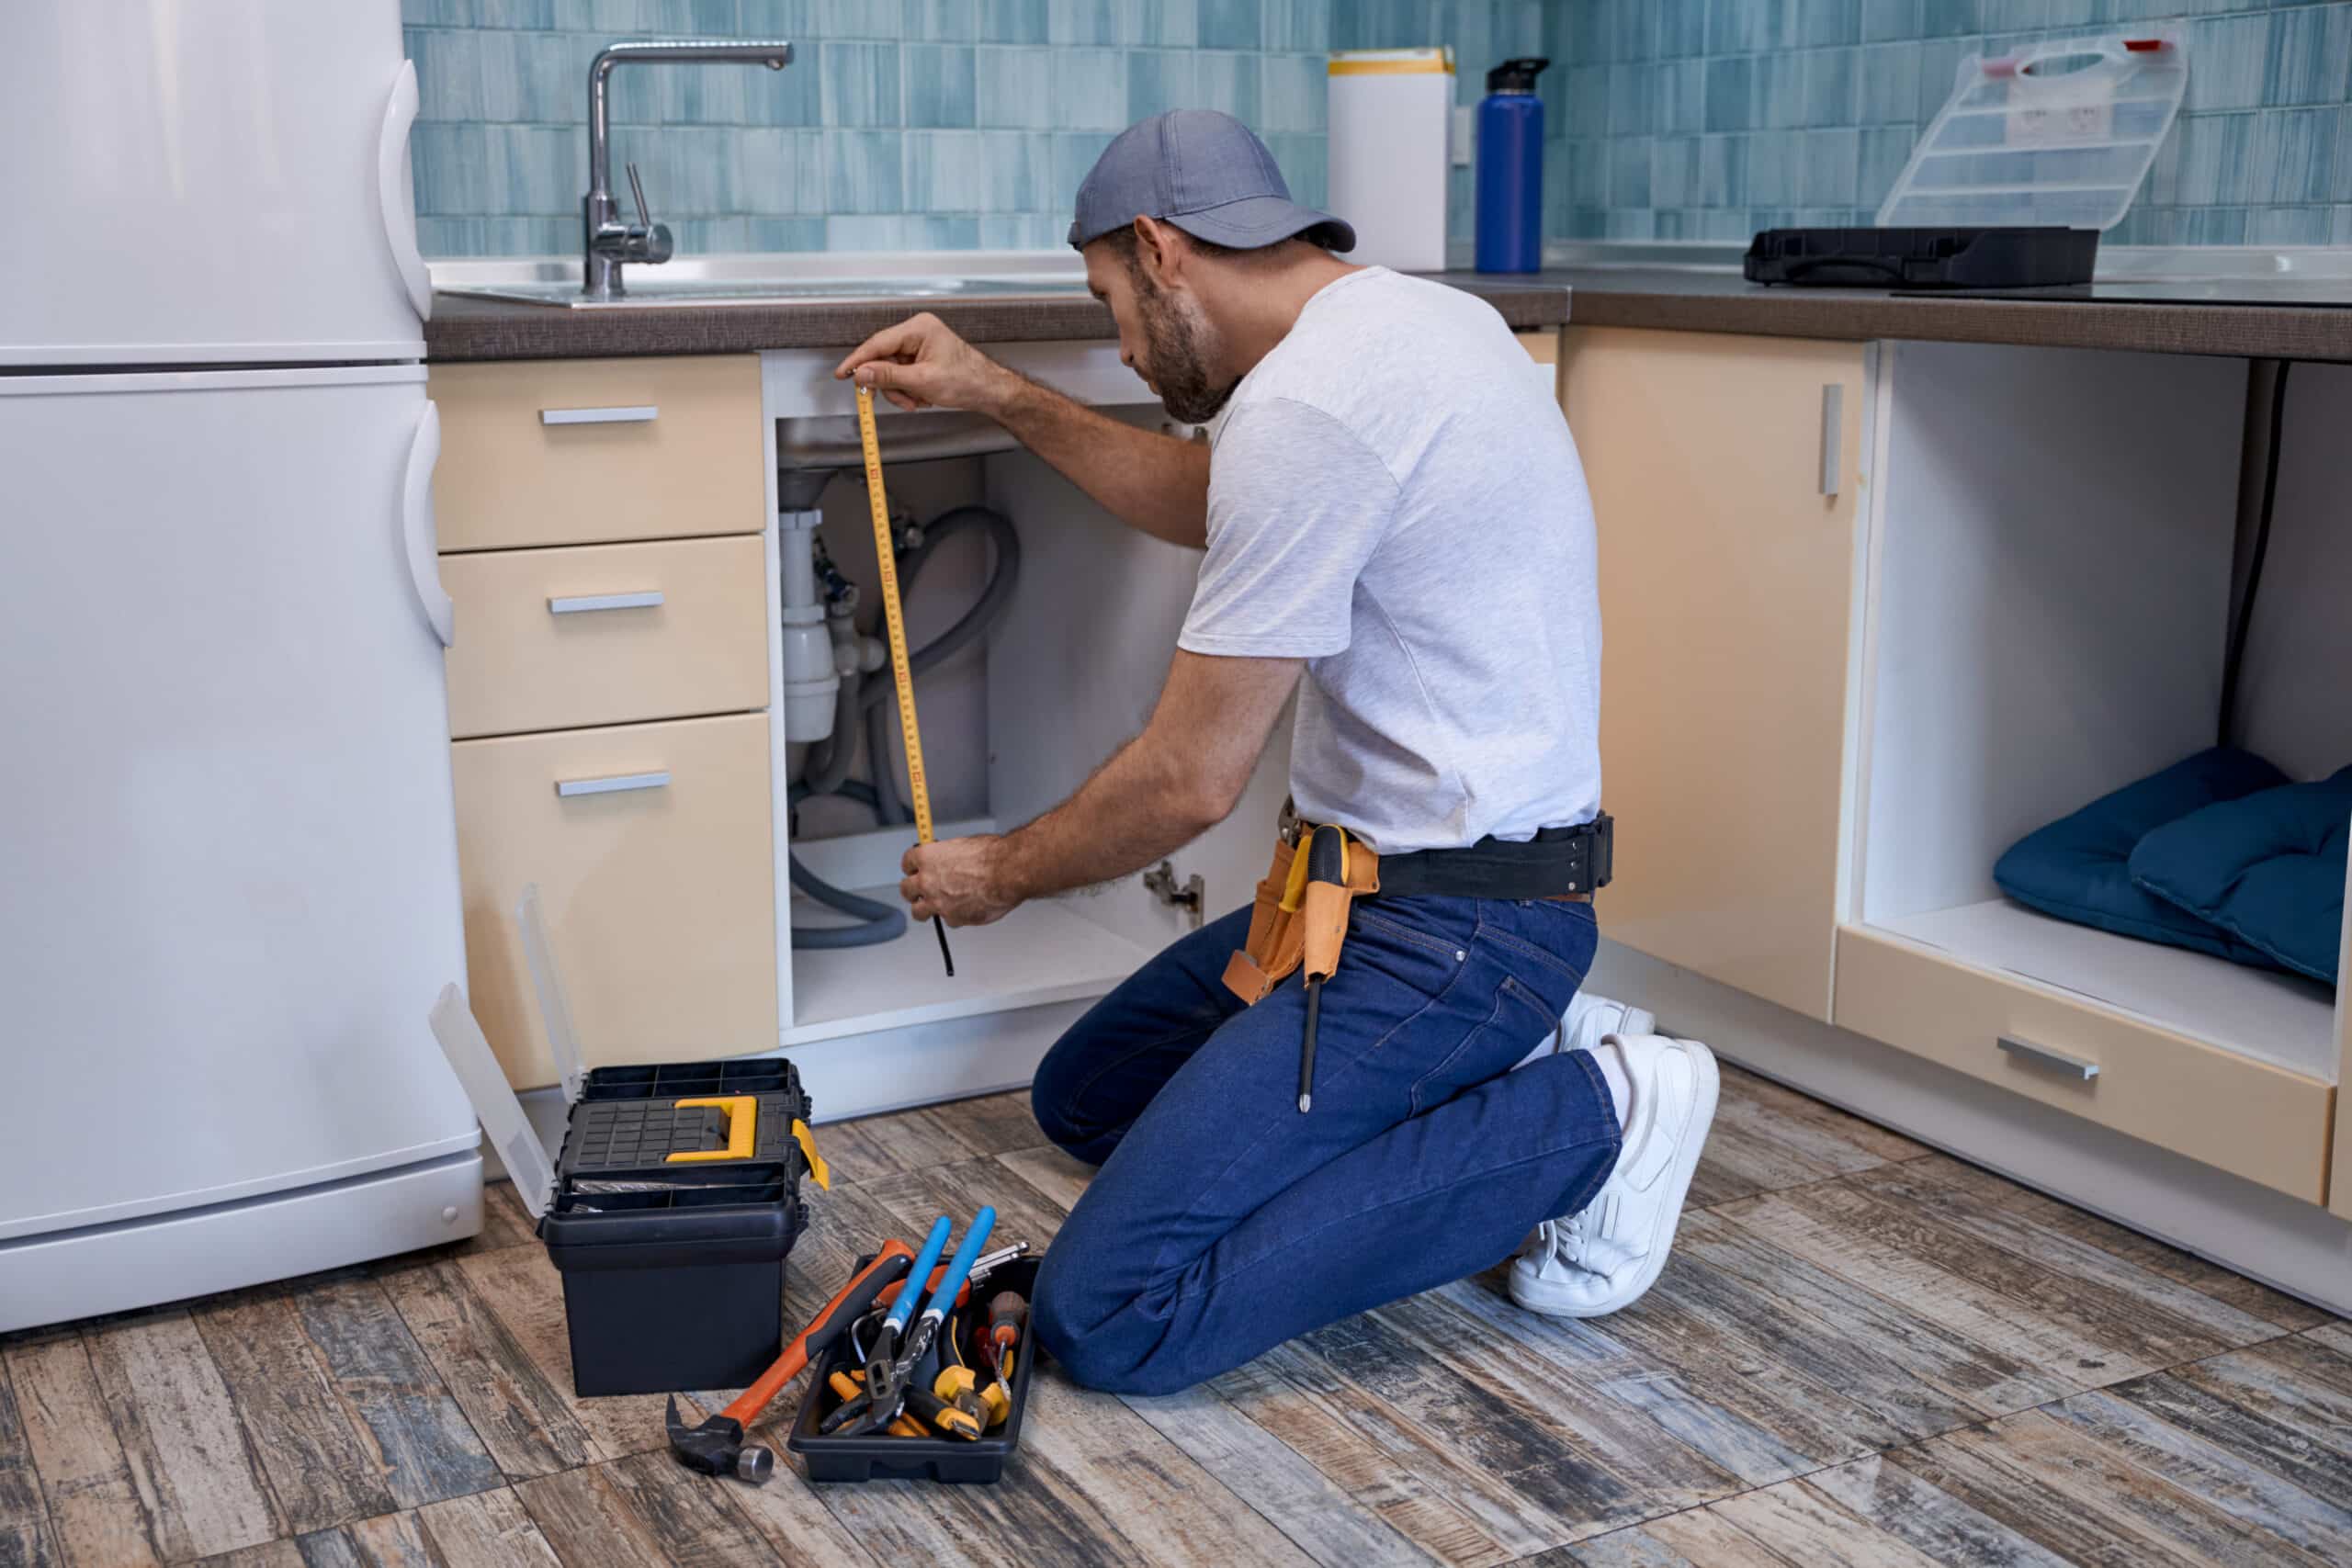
2267, 869
2078, 867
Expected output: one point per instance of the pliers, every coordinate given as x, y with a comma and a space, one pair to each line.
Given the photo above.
890, 1381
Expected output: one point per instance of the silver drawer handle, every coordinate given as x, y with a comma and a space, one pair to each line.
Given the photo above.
2074, 1066
642, 413
1833, 421
617, 784
583, 603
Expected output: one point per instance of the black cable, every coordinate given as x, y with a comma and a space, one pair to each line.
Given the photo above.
2234, 656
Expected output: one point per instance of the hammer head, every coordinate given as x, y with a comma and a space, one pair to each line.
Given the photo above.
716, 1448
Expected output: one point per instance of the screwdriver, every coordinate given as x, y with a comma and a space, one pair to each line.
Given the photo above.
1007, 1313
1327, 862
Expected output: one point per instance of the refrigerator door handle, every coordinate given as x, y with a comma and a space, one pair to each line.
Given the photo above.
392, 198
417, 537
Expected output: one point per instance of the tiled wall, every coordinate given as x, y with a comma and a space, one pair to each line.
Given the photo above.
1708, 119
919, 124
904, 124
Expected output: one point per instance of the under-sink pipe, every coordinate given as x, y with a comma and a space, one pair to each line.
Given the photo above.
863, 692
811, 685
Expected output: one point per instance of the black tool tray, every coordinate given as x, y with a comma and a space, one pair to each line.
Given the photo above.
884, 1458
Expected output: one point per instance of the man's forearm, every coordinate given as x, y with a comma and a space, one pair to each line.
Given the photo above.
1138, 807
1150, 482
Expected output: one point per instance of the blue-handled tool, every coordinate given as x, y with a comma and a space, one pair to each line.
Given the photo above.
903, 1310
882, 1370
889, 1379
943, 1294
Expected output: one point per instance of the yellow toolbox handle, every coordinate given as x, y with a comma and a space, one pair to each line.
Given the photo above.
742, 1117
808, 1141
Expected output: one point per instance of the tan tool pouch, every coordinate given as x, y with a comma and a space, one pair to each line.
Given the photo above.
1293, 925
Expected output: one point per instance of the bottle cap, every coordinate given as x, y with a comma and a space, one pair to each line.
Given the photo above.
1515, 75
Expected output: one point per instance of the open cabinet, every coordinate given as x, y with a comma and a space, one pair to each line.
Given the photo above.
1066, 670
2050, 561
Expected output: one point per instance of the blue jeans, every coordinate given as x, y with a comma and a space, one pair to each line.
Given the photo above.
1223, 1222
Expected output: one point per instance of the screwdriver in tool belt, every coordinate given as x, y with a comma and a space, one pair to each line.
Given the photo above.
1326, 861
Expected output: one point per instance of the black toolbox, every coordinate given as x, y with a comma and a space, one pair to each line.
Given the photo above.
674, 1268
672, 1205
1923, 258
885, 1458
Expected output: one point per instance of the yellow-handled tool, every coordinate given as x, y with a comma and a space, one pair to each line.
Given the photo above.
902, 673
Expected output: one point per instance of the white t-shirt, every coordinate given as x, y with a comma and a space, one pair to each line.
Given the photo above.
1394, 497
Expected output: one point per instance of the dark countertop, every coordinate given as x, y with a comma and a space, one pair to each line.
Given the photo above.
2284, 318
467, 328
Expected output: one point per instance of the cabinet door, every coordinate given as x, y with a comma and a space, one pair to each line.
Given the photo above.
598, 451
1725, 477
651, 846
229, 877
225, 184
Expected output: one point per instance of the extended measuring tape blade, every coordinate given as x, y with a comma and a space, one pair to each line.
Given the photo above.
902, 675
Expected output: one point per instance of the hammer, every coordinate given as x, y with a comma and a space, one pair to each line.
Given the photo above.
715, 1447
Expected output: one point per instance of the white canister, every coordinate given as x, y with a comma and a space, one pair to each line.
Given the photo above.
1392, 112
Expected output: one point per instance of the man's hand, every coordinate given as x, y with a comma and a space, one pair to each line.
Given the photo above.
921, 364
960, 880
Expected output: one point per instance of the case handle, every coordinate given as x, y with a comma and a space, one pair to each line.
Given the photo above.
417, 539
394, 200
742, 1119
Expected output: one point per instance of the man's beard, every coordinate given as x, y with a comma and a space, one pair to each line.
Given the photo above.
1176, 340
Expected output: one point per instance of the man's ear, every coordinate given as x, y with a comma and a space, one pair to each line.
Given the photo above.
1159, 250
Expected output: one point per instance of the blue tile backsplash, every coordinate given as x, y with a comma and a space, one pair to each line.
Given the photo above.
929, 124
1709, 119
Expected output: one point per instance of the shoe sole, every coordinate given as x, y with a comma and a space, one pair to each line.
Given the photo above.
1686, 1165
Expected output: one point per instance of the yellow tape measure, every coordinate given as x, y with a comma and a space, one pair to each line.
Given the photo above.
902, 675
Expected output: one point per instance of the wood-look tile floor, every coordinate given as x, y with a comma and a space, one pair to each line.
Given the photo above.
1862, 1352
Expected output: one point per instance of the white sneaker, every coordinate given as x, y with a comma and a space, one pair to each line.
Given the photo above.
1592, 1263
1589, 1019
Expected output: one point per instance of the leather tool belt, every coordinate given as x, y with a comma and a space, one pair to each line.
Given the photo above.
1297, 922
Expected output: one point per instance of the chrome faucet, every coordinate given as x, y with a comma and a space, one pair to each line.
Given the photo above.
606, 238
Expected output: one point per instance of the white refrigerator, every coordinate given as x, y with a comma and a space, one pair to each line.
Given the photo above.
228, 848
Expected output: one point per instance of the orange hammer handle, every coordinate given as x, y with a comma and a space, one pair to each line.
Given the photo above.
848, 1306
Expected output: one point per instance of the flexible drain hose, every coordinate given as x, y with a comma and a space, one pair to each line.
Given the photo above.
869, 696
877, 922
877, 694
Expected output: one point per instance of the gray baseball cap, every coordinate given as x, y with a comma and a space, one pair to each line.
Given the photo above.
1203, 172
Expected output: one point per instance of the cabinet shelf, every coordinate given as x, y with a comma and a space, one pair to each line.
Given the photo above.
1042, 952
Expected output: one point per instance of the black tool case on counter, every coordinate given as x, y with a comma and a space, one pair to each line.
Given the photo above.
1923, 258
671, 1206
881, 1457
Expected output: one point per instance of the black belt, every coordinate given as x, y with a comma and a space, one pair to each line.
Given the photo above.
1557, 863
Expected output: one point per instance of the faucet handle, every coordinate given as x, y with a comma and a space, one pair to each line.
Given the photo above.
636, 187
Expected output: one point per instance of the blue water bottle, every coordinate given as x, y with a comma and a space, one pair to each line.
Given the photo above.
1511, 169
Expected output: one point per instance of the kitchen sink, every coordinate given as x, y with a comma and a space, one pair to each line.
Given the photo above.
648, 289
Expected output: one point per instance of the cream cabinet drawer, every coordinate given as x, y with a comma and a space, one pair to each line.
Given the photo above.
652, 848
606, 634
584, 451
2246, 1117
